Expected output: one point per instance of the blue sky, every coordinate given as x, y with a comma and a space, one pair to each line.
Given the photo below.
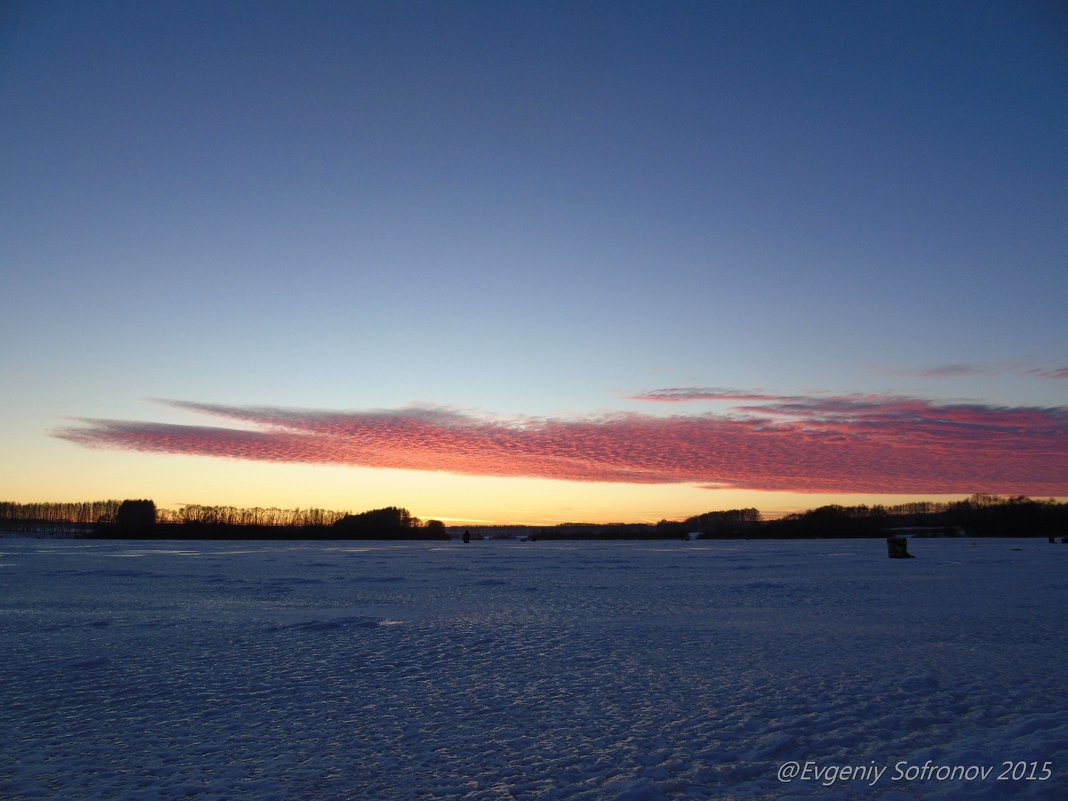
515, 209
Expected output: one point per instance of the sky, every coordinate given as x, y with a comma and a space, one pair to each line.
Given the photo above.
533, 262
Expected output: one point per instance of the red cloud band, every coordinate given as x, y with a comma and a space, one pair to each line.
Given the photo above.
854, 444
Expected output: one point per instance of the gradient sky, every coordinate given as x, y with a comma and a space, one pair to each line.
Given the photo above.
533, 262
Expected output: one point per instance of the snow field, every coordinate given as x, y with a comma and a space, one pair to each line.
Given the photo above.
505, 670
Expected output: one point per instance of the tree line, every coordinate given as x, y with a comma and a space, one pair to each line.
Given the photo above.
141, 518
229, 522
978, 515
196, 514
57, 518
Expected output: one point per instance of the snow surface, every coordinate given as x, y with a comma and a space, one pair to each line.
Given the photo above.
506, 670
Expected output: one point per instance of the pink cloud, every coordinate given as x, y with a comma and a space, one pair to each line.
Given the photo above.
857, 443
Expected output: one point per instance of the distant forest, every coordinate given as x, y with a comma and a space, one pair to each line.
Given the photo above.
141, 519
978, 516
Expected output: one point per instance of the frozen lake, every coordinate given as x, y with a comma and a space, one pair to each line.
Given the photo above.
547, 670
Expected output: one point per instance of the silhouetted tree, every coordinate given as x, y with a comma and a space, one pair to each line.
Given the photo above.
135, 519
729, 523
392, 522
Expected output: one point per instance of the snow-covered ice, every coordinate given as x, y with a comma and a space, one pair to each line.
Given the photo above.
548, 670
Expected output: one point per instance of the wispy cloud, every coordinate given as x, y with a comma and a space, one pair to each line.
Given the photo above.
797, 443
1057, 373
943, 371
687, 394
967, 370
